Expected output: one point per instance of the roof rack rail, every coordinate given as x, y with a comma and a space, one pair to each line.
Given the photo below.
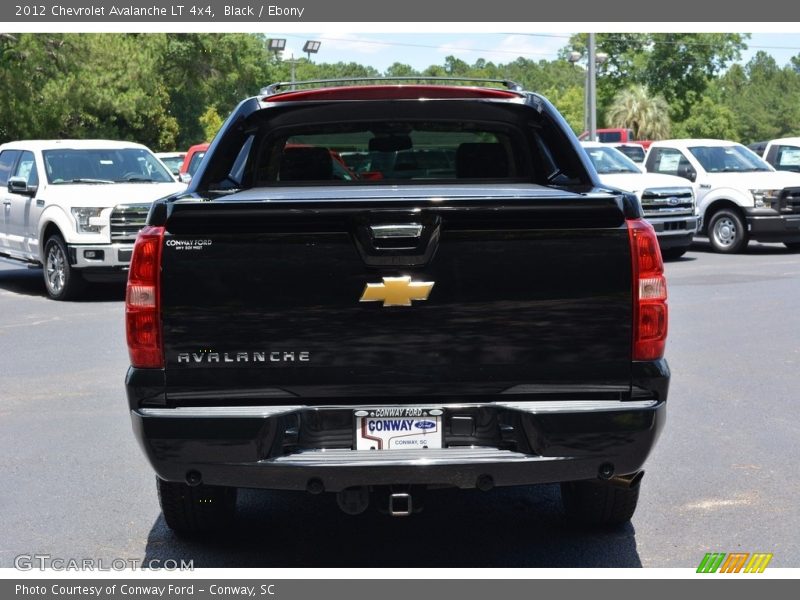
276, 88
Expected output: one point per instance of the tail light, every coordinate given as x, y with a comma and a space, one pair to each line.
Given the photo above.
143, 300
649, 292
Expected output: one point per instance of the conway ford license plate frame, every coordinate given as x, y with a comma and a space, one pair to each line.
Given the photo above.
398, 428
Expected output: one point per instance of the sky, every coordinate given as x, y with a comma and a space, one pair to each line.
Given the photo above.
380, 49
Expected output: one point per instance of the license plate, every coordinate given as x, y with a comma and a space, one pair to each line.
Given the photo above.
398, 428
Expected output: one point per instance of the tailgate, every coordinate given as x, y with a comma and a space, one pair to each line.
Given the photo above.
524, 297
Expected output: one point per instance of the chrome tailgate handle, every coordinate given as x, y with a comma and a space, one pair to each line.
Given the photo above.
397, 231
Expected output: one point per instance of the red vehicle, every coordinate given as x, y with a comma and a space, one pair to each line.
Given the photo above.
192, 159
615, 135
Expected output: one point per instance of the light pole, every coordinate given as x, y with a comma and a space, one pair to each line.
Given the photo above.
590, 85
278, 45
311, 47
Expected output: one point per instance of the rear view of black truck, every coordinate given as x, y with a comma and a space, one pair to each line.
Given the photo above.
493, 317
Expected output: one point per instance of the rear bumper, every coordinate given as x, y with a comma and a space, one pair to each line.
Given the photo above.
299, 447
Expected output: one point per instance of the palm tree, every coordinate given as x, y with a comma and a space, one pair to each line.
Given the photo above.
634, 108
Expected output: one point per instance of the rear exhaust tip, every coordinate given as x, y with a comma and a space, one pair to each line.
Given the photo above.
631, 481
353, 500
400, 505
606, 471
193, 478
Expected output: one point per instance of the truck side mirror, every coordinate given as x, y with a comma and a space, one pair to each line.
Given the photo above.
687, 172
19, 185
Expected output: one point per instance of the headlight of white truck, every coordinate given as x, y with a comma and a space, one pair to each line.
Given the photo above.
88, 219
765, 198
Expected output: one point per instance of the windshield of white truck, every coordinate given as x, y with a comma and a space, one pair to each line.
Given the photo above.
728, 159
117, 165
610, 160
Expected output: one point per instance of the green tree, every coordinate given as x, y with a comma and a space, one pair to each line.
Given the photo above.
542, 75
570, 103
29, 65
307, 70
113, 90
677, 66
680, 63
211, 122
635, 108
455, 67
83, 85
400, 70
763, 96
201, 69
709, 119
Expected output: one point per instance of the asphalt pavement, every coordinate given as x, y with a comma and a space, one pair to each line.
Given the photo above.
723, 477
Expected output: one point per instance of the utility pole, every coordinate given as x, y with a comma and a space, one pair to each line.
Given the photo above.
591, 88
589, 84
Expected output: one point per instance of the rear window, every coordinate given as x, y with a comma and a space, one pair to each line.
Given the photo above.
391, 152
635, 153
404, 142
609, 136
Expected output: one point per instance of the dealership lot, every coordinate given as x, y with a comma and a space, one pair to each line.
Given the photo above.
723, 477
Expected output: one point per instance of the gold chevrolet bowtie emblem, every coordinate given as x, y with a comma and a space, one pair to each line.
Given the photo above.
396, 291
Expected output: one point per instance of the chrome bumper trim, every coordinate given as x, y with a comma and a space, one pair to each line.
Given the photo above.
532, 407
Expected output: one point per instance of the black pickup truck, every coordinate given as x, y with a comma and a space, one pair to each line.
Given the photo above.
497, 321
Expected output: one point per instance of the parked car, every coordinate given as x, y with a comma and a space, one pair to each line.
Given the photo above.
783, 154
667, 201
758, 147
75, 207
192, 160
614, 135
172, 160
739, 196
633, 150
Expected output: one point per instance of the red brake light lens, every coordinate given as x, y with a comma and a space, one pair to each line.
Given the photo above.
142, 300
650, 314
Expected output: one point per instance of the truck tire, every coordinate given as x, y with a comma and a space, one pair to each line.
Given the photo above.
61, 279
599, 503
196, 509
727, 232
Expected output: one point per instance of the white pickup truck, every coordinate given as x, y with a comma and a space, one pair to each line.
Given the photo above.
75, 207
783, 154
739, 196
667, 201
